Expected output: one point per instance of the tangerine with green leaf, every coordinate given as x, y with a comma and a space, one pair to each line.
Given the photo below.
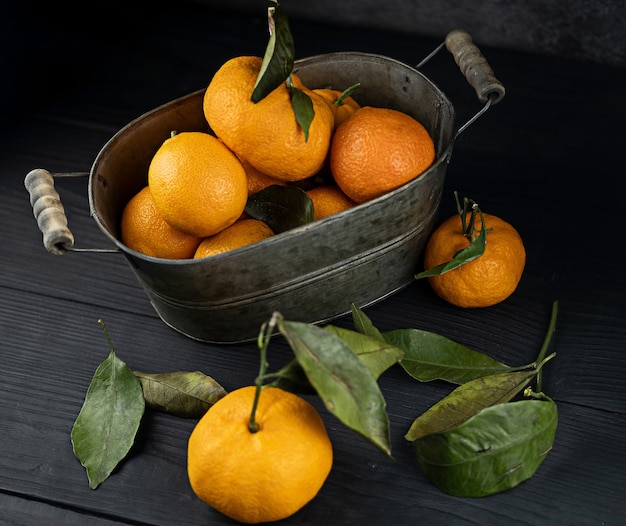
267, 133
486, 280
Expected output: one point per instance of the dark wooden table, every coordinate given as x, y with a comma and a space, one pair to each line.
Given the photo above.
549, 159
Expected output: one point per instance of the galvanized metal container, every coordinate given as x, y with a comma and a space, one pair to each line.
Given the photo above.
312, 273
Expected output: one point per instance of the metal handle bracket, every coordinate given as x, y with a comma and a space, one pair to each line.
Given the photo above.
475, 69
50, 214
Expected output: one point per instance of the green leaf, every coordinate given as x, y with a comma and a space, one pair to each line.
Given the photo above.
429, 356
467, 400
474, 250
303, 108
377, 355
105, 428
281, 207
181, 393
279, 55
493, 451
342, 381
364, 325
292, 378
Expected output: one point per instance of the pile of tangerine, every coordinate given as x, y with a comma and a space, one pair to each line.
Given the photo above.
199, 182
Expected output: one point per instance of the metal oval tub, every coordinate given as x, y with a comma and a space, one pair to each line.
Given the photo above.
312, 273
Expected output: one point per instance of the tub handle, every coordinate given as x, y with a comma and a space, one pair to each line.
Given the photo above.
475, 69
50, 214
474, 66
48, 211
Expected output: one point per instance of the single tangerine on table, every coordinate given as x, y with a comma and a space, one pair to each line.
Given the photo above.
488, 279
198, 184
266, 134
265, 475
143, 229
378, 150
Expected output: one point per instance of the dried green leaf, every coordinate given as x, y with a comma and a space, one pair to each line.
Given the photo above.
105, 428
377, 355
467, 400
279, 55
281, 207
493, 451
430, 356
342, 381
187, 394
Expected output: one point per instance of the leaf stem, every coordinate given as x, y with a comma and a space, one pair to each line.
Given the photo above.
469, 233
346, 93
461, 210
469, 205
263, 341
547, 340
106, 335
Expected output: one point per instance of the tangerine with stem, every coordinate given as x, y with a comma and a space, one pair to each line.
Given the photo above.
260, 453
485, 280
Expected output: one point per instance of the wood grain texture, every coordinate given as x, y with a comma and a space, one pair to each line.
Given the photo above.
544, 159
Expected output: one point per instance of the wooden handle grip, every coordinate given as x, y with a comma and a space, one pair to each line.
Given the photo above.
48, 211
474, 66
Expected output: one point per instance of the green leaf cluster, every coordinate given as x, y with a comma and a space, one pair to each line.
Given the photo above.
105, 429
472, 443
495, 450
476, 441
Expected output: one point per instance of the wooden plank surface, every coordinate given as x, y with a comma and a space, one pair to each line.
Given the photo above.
544, 159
